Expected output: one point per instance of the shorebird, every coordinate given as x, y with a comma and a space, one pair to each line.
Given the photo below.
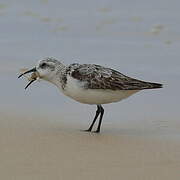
88, 83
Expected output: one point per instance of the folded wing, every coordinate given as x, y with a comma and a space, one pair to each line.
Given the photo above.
98, 77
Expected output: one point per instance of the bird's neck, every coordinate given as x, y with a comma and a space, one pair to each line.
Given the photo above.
60, 78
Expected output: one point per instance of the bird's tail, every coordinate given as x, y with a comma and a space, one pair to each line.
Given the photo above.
153, 85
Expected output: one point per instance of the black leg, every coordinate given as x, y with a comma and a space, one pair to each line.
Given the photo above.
100, 119
98, 111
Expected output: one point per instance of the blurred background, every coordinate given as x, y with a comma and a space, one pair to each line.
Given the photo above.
40, 135
138, 38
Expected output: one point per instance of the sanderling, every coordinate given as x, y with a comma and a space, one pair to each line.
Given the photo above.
88, 83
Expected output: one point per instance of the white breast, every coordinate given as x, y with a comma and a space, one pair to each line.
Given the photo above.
75, 90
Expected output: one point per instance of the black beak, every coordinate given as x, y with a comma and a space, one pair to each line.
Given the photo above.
30, 83
32, 70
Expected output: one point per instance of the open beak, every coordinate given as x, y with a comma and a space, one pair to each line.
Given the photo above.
33, 77
32, 70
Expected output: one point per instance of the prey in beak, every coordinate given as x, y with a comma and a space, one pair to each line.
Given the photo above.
34, 76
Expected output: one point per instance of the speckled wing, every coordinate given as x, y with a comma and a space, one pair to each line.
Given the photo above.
98, 77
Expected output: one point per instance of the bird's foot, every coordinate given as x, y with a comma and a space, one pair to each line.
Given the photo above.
97, 131
86, 130
90, 130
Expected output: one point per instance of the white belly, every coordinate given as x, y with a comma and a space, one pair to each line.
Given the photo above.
75, 90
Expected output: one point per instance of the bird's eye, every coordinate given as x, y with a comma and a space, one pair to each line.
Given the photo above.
43, 65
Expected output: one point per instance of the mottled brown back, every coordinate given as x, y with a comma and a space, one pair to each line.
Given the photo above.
98, 77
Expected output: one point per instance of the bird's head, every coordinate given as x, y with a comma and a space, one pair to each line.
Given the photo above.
45, 69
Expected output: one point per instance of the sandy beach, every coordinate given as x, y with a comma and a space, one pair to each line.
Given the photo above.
40, 129
39, 150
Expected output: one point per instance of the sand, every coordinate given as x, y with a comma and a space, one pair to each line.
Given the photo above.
32, 148
40, 137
